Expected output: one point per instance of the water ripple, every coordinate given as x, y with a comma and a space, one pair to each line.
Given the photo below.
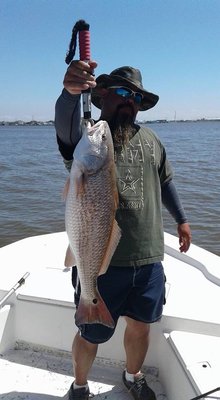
33, 177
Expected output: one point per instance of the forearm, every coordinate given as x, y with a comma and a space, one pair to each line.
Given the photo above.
67, 123
171, 201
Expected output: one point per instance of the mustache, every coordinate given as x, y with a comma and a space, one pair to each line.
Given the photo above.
125, 105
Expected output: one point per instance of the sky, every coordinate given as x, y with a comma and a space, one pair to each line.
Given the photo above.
174, 43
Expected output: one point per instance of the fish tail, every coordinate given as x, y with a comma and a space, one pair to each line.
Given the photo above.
94, 312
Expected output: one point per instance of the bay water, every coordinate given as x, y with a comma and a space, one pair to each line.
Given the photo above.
33, 176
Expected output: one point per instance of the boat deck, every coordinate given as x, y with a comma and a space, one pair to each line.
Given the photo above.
37, 374
183, 345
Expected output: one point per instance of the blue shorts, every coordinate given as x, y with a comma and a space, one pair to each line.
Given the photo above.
135, 292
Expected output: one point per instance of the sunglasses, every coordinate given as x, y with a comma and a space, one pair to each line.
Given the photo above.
127, 93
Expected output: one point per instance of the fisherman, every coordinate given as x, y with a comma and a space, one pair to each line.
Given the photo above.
134, 285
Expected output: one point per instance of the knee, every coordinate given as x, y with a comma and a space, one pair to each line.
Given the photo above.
138, 328
79, 344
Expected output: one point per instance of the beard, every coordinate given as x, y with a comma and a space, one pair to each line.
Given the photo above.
122, 125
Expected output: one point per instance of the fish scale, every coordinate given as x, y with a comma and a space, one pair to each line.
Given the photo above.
95, 221
90, 218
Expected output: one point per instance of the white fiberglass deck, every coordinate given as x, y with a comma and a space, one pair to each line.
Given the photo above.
29, 373
42, 312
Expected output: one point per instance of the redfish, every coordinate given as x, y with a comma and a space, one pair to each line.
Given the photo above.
91, 204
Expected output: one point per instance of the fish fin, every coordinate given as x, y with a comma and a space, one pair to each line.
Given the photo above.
70, 260
116, 199
114, 238
80, 182
66, 188
93, 313
115, 190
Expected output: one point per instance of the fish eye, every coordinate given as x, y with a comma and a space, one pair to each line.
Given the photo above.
103, 136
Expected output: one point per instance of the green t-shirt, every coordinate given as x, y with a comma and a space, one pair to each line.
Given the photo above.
142, 168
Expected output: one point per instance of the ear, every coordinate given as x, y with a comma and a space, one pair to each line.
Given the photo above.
103, 92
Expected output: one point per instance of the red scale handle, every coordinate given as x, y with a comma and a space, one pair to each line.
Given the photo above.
84, 55
84, 45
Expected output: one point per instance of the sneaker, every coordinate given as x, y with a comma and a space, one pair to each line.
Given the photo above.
79, 394
139, 388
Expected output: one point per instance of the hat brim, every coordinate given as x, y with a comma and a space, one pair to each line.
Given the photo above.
104, 81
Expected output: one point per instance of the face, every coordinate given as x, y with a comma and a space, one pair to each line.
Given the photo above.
114, 103
120, 112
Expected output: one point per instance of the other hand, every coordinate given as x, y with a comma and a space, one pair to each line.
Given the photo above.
79, 76
185, 237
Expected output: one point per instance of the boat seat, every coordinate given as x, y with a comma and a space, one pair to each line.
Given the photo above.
199, 355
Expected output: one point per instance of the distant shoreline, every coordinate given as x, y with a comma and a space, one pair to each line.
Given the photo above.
165, 121
28, 123
51, 123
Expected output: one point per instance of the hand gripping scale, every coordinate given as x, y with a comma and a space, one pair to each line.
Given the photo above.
82, 29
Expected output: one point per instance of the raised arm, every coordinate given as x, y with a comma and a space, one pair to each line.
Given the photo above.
78, 77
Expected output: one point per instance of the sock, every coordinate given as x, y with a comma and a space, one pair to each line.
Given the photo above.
129, 377
75, 386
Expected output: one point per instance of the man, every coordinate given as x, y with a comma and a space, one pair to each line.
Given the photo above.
144, 178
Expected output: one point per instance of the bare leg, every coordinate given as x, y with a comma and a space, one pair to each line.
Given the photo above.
83, 354
136, 341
